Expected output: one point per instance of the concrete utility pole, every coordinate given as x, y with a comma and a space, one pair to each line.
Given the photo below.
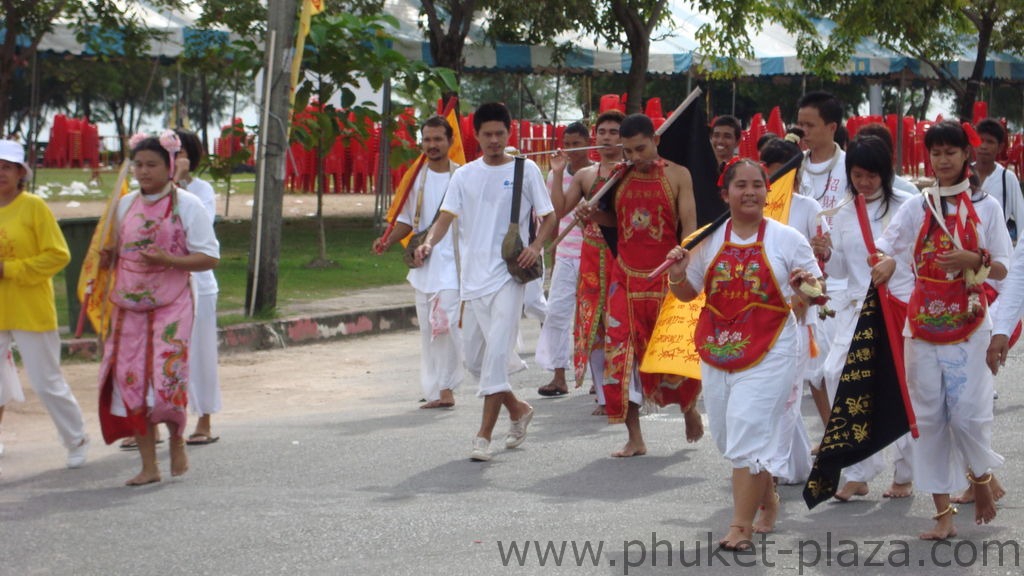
265, 242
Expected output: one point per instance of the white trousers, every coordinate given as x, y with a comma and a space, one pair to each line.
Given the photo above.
792, 461
40, 355
554, 346
203, 382
490, 325
902, 452
535, 305
951, 390
440, 356
745, 408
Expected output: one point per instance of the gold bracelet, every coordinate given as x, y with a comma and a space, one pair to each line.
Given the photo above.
974, 479
675, 283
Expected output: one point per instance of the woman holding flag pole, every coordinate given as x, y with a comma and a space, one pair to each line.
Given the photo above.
747, 336
957, 238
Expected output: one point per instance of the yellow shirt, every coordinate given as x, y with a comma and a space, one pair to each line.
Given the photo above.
33, 249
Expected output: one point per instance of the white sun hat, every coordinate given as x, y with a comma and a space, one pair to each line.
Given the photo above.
14, 152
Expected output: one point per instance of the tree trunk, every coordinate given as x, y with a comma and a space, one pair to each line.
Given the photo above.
966, 108
446, 44
265, 244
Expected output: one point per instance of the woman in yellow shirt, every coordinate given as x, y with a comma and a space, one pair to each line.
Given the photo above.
32, 251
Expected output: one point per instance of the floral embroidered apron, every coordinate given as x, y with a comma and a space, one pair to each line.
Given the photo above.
943, 310
146, 354
745, 310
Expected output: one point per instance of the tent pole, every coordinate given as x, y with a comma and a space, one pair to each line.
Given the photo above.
733, 98
899, 124
33, 122
383, 176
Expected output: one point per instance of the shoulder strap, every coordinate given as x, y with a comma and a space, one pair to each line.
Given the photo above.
517, 188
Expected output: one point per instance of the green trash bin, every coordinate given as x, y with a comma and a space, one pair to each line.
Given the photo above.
78, 234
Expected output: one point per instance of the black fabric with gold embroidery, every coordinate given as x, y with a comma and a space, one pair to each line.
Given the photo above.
868, 412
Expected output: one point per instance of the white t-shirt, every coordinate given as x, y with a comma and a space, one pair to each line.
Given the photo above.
901, 183
901, 234
803, 215
438, 272
480, 196
1011, 296
205, 281
199, 236
826, 183
571, 245
1013, 205
850, 255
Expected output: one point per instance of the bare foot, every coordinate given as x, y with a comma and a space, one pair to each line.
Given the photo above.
629, 450
447, 398
967, 497
815, 450
944, 529
898, 490
143, 478
694, 425
767, 513
851, 489
738, 538
599, 411
984, 500
179, 457
431, 404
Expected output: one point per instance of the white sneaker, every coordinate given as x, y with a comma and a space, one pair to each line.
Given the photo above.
78, 454
517, 432
481, 450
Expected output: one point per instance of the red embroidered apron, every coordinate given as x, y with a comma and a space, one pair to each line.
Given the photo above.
645, 209
591, 293
745, 311
146, 354
939, 309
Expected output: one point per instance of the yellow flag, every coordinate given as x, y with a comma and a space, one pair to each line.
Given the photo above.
780, 197
95, 282
456, 153
309, 9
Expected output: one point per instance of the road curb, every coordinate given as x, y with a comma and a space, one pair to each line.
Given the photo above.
282, 333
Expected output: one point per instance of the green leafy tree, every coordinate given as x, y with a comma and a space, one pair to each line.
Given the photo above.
344, 49
933, 31
26, 23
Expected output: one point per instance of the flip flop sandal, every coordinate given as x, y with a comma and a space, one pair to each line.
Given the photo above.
201, 440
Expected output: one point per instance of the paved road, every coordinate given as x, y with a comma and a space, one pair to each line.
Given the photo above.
326, 466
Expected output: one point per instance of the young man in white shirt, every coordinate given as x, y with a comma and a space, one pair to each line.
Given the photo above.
996, 180
480, 195
436, 282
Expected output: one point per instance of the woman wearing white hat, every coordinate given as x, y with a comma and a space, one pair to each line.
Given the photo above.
32, 251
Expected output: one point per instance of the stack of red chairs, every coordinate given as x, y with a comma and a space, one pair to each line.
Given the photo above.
750, 136
73, 142
775, 124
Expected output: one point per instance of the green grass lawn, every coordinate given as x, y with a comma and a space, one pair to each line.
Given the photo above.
348, 244
55, 183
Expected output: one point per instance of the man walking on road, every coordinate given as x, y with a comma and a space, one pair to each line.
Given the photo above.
480, 195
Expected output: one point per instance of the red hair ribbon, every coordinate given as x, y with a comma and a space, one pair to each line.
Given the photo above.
729, 164
737, 159
972, 135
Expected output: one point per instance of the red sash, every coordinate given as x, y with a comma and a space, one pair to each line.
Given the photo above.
745, 311
942, 310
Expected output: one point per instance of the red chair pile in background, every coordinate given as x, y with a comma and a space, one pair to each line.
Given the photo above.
74, 143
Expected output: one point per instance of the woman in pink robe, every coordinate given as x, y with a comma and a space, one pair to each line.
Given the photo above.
162, 235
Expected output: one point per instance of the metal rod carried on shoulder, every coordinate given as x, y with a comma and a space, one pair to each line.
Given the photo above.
557, 150
614, 177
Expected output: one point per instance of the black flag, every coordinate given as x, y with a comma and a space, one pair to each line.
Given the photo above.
868, 413
686, 142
